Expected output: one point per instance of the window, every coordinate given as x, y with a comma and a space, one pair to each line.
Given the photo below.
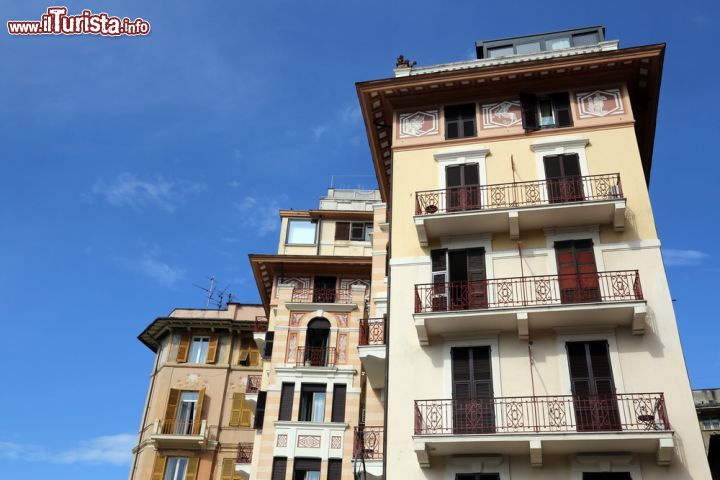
582, 39
176, 468
269, 340
458, 278
334, 469
198, 349
460, 121
527, 48
577, 271
249, 355
463, 191
286, 402
183, 412
503, 51
472, 382
260, 411
548, 111
301, 232
307, 469
187, 412
592, 386
557, 43
312, 403
353, 231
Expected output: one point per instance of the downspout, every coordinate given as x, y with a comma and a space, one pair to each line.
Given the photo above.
222, 405
147, 411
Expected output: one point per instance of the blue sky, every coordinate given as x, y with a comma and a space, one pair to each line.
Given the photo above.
134, 167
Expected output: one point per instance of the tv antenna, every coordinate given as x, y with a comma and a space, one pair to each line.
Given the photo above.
214, 296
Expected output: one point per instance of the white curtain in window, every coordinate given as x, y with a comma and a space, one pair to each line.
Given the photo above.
176, 468
318, 407
312, 475
301, 232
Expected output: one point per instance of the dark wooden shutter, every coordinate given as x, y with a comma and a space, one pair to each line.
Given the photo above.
338, 403
286, 401
563, 178
279, 468
529, 112
561, 105
269, 339
476, 273
592, 386
342, 231
473, 403
260, 411
439, 280
334, 469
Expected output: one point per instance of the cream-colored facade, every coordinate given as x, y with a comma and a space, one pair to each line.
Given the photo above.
487, 328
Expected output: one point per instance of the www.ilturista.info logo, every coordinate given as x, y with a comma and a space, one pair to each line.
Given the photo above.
56, 21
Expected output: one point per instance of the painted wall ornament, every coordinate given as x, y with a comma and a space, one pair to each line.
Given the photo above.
600, 103
501, 115
419, 124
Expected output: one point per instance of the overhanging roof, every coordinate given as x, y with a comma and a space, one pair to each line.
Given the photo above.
640, 68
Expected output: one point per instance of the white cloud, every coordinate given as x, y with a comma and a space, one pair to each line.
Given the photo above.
319, 131
127, 190
109, 449
161, 272
684, 258
260, 216
351, 114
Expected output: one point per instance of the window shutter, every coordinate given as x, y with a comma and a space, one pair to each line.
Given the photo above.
192, 468
439, 279
279, 468
260, 411
338, 403
286, 401
307, 464
238, 403
561, 105
253, 357
342, 231
198, 412
227, 472
158, 470
183, 348
269, 339
212, 349
172, 406
334, 469
529, 112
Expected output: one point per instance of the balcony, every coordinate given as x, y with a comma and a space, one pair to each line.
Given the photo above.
328, 299
244, 459
511, 207
368, 451
315, 356
252, 388
179, 434
634, 422
260, 328
372, 349
538, 302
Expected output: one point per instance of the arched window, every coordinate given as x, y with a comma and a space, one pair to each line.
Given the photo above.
316, 342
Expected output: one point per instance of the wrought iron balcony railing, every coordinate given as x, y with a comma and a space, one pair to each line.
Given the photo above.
519, 194
563, 413
368, 443
316, 356
253, 383
321, 295
541, 290
261, 324
372, 331
245, 453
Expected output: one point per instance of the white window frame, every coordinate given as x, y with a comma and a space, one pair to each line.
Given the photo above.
460, 156
175, 474
202, 339
560, 145
301, 220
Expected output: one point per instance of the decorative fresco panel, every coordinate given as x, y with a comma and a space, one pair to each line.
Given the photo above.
336, 442
292, 347
342, 348
295, 318
342, 319
282, 440
600, 103
297, 282
419, 124
308, 441
502, 114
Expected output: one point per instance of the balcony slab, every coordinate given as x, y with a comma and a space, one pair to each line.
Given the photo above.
326, 307
374, 360
630, 313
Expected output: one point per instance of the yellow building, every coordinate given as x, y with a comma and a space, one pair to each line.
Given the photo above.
531, 332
